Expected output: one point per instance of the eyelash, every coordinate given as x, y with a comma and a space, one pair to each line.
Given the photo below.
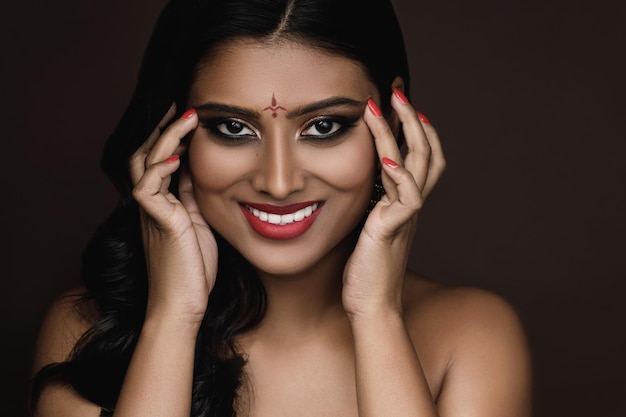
338, 125
216, 127
343, 125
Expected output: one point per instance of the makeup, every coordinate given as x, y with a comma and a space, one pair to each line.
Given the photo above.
423, 118
389, 162
274, 107
247, 166
374, 108
188, 114
281, 222
400, 96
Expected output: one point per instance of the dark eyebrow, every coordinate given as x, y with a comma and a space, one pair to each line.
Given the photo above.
323, 104
225, 108
309, 108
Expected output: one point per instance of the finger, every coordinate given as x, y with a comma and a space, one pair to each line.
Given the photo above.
147, 191
137, 161
402, 211
385, 142
436, 161
417, 158
179, 151
185, 191
437, 164
171, 138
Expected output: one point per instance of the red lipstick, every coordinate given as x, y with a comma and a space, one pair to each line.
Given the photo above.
281, 222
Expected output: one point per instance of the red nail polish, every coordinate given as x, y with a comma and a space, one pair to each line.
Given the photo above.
423, 118
374, 108
172, 158
188, 114
389, 162
400, 96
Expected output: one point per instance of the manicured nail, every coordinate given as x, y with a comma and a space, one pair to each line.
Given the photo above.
400, 95
172, 158
188, 114
374, 108
423, 118
389, 162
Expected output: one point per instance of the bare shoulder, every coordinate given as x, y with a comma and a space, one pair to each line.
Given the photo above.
64, 323
62, 401
463, 310
474, 346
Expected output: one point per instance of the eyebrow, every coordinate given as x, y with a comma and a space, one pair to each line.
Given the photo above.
309, 108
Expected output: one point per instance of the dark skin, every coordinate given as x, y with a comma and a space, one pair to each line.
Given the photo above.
348, 331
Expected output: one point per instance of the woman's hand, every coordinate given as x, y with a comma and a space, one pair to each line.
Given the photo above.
180, 249
374, 274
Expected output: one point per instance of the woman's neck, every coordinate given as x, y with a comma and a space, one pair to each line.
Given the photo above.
301, 302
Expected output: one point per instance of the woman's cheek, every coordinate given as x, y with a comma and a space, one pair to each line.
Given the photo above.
347, 166
214, 167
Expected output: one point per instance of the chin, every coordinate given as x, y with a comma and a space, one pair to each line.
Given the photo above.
283, 264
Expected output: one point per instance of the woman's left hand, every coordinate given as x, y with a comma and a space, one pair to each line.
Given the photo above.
374, 275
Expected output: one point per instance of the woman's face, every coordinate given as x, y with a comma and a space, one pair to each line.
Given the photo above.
282, 162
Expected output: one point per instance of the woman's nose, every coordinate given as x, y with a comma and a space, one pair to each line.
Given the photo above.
278, 172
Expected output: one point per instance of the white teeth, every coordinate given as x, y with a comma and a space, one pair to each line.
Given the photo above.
273, 218
285, 218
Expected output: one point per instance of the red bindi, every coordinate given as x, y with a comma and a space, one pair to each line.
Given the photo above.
273, 107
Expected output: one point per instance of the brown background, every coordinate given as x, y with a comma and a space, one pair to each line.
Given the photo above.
528, 98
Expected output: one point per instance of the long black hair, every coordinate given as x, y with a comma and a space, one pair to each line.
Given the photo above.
113, 264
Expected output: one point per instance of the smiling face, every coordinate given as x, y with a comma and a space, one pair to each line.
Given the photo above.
282, 162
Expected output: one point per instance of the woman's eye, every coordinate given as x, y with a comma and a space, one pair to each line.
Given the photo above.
233, 128
323, 127
228, 130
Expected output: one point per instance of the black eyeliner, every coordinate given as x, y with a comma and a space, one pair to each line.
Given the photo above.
346, 123
210, 125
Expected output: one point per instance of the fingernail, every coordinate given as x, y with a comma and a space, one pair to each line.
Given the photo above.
172, 158
389, 162
374, 108
188, 114
400, 95
423, 118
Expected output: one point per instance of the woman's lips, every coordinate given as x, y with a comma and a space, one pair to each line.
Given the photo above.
281, 222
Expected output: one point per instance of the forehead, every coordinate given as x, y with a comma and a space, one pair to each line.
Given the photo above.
292, 72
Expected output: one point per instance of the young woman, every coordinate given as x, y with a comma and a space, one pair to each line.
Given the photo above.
256, 263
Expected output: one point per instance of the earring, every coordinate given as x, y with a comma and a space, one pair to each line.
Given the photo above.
377, 193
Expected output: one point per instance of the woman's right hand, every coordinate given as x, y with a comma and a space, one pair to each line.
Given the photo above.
180, 249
